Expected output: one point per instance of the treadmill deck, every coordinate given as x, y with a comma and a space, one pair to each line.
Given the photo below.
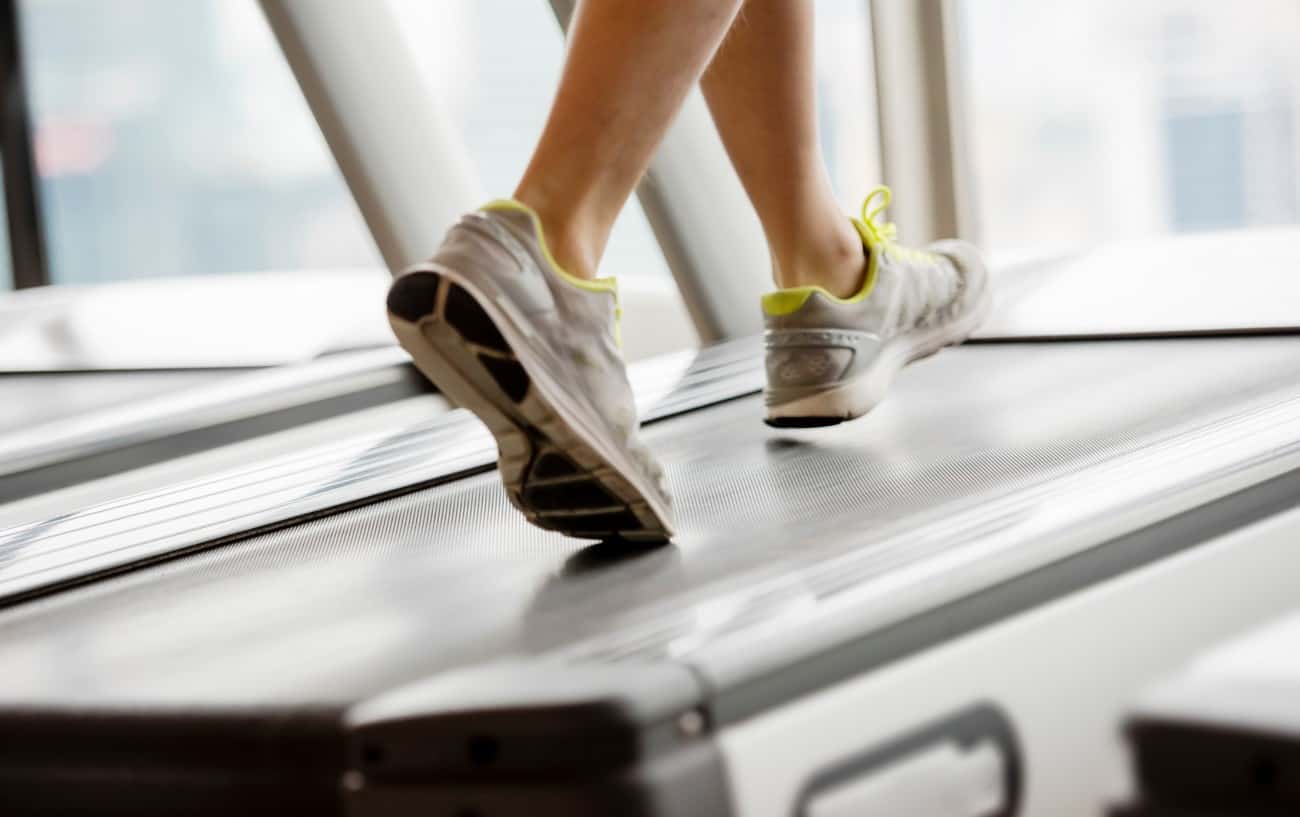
963, 470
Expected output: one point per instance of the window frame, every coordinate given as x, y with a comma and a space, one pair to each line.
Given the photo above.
920, 94
29, 262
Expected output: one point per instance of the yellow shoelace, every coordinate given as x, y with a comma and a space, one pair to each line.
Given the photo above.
886, 232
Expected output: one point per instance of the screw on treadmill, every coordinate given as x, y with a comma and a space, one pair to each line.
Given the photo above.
353, 780
690, 724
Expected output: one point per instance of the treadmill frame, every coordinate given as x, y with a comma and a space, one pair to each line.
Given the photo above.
643, 722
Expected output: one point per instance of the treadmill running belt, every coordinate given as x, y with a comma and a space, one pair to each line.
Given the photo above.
967, 463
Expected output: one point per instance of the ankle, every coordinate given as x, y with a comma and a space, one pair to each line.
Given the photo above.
574, 242
834, 261
570, 248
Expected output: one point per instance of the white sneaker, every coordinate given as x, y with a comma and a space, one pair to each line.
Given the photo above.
502, 330
832, 359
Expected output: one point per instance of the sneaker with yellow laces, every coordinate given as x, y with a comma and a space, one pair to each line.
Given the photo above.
495, 322
833, 359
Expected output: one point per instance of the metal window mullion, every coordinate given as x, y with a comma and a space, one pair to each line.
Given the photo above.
411, 176
705, 225
27, 254
921, 101
407, 168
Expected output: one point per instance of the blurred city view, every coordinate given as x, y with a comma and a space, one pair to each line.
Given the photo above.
172, 140
1115, 119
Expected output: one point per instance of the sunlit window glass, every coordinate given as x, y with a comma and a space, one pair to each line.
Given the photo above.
1113, 119
171, 139
846, 94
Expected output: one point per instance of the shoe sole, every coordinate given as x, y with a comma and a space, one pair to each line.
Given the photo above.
553, 469
859, 396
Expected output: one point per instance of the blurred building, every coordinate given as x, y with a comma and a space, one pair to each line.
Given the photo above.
1111, 119
172, 139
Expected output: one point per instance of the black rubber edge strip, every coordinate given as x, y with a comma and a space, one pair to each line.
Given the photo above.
1167, 334
571, 739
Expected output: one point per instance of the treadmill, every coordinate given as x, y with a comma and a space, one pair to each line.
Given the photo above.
943, 609
973, 581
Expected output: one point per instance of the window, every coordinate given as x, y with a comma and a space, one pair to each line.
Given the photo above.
846, 95
1113, 119
171, 139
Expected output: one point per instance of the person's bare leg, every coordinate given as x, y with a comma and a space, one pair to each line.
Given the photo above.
630, 65
761, 90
